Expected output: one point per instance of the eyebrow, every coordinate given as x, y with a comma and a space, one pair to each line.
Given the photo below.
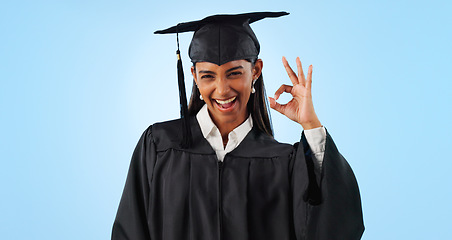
234, 68
212, 72
206, 71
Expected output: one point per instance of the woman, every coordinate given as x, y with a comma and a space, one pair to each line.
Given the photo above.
235, 181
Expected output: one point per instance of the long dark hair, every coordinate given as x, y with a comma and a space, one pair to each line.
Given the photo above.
257, 104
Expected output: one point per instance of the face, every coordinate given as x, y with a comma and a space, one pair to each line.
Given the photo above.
226, 89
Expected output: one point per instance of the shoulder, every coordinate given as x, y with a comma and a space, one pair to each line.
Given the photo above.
259, 144
169, 134
171, 128
163, 133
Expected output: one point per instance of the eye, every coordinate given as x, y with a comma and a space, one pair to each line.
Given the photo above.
236, 73
207, 76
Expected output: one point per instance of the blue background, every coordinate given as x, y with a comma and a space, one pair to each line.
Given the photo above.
81, 80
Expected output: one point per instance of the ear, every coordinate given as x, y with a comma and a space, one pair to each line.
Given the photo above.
257, 70
193, 72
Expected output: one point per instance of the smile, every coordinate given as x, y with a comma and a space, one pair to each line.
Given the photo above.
226, 105
226, 101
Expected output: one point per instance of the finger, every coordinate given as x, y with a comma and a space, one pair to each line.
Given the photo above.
309, 80
301, 78
283, 88
276, 106
289, 71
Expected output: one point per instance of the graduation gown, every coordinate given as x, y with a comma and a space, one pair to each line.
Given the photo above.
262, 190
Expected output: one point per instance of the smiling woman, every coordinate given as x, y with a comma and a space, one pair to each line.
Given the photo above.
235, 181
226, 90
257, 103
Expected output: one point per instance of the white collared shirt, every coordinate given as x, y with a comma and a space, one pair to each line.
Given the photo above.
212, 134
315, 137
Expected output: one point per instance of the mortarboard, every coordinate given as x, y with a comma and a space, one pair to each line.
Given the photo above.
217, 39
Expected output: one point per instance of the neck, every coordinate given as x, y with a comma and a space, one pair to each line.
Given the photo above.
225, 127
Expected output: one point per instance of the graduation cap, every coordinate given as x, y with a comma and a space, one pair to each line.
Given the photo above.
217, 39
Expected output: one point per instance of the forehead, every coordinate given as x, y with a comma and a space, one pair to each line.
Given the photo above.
224, 67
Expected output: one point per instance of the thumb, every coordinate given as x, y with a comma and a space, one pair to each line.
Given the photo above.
276, 106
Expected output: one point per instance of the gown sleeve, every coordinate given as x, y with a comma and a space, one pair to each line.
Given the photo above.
131, 218
330, 209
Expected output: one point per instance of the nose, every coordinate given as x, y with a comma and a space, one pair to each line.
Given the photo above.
222, 87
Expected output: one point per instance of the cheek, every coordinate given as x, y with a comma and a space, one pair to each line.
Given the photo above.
205, 89
245, 87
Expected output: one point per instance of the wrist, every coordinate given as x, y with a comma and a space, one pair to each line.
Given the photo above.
311, 125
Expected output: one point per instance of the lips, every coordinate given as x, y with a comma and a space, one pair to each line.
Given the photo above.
225, 104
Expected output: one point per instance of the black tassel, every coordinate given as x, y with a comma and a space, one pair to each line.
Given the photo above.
186, 131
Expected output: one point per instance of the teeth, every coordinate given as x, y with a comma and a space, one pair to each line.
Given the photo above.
224, 102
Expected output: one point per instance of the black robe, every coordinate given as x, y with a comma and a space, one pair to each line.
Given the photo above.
262, 190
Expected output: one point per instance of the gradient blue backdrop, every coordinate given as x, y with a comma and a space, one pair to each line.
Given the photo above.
81, 80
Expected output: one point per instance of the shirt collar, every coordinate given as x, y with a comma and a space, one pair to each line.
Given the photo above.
207, 126
205, 122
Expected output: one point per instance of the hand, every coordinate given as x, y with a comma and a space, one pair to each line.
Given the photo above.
300, 108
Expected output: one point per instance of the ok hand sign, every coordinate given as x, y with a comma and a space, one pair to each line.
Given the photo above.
300, 108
